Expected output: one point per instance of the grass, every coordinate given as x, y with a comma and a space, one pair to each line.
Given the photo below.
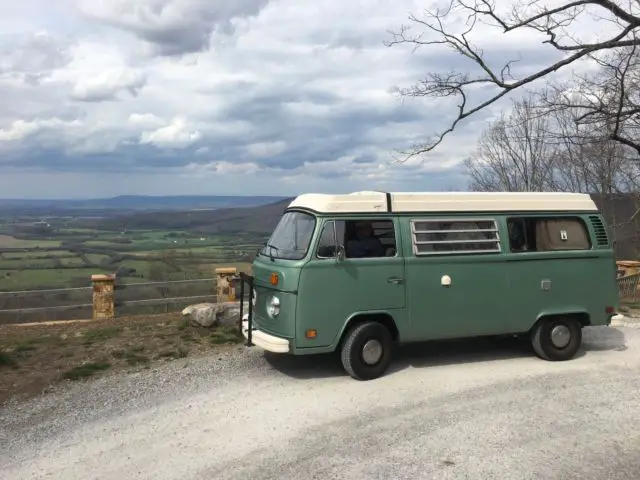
225, 335
172, 354
32, 358
48, 277
132, 356
24, 348
86, 370
35, 254
102, 333
7, 241
96, 258
6, 360
17, 264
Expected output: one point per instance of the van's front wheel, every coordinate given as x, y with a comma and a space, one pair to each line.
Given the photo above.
366, 351
557, 338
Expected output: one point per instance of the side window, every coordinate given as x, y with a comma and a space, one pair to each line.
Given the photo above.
370, 238
455, 236
360, 238
327, 241
540, 234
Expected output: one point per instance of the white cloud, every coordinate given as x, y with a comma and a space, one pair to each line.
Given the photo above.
177, 134
108, 84
145, 120
20, 129
202, 96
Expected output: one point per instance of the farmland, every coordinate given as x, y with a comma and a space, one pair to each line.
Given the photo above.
46, 248
69, 257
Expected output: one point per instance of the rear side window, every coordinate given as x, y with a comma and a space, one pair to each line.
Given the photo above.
455, 236
547, 234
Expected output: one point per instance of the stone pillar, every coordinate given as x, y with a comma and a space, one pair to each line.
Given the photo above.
225, 289
103, 298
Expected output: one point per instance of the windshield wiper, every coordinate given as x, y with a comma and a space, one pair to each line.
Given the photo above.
272, 247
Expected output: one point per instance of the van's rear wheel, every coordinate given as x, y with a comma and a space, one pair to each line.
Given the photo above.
366, 351
557, 338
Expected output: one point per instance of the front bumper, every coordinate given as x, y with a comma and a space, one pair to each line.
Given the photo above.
264, 340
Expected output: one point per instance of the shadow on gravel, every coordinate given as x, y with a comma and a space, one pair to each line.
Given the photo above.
599, 339
441, 353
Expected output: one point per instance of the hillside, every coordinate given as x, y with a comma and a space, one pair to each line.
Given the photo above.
255, 219
133, 203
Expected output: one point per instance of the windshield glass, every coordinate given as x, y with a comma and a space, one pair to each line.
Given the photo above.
290, 240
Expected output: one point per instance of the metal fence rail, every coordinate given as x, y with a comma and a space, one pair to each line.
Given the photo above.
153, 294
40, 292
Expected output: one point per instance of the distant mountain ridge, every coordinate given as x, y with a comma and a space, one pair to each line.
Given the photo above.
143, 202
255, 219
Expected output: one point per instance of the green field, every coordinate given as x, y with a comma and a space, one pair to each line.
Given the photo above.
7, 241
72, 255
47, 278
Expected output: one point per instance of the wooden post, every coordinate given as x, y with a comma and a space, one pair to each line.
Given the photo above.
103, 298
225, 290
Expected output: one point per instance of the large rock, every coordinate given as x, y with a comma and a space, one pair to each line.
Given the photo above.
229, 314
202, 314
211, 314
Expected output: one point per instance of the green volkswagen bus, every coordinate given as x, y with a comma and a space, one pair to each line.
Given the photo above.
363, 272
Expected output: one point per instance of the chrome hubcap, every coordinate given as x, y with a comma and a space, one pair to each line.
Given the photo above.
560, 336
371, 351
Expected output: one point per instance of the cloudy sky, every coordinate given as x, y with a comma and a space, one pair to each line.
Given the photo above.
109, 97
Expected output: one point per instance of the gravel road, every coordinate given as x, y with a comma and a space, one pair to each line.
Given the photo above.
483, 409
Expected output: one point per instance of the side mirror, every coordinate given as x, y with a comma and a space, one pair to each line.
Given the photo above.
340, 253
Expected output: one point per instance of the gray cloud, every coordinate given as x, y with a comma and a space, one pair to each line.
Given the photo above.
31, 57
298, 99
171, 27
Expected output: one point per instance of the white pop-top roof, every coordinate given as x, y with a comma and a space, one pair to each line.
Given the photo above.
372, 202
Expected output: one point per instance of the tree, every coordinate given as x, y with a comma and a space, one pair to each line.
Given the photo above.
514, 153
585, 158
618, 48
531, 149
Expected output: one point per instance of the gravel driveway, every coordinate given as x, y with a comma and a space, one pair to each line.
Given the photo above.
483, 409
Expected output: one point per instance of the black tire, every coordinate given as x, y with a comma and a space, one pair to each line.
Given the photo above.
543, 345
353, 348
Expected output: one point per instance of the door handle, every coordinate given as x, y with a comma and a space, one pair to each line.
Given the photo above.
396, 280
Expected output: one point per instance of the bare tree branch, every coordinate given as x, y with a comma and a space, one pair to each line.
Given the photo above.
608, 101
551, 23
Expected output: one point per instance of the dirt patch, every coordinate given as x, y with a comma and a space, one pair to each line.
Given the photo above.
35, 357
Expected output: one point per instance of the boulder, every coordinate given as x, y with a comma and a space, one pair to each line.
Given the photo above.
211, 314
202, 314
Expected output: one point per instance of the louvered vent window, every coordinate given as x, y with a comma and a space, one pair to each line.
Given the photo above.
601, 232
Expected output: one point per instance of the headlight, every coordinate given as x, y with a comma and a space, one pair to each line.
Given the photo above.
273, 309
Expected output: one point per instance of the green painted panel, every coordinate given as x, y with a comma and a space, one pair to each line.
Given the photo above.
547, 283
331, 291
472, 305
288, 274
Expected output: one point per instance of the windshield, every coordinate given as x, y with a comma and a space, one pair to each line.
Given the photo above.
290, 240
